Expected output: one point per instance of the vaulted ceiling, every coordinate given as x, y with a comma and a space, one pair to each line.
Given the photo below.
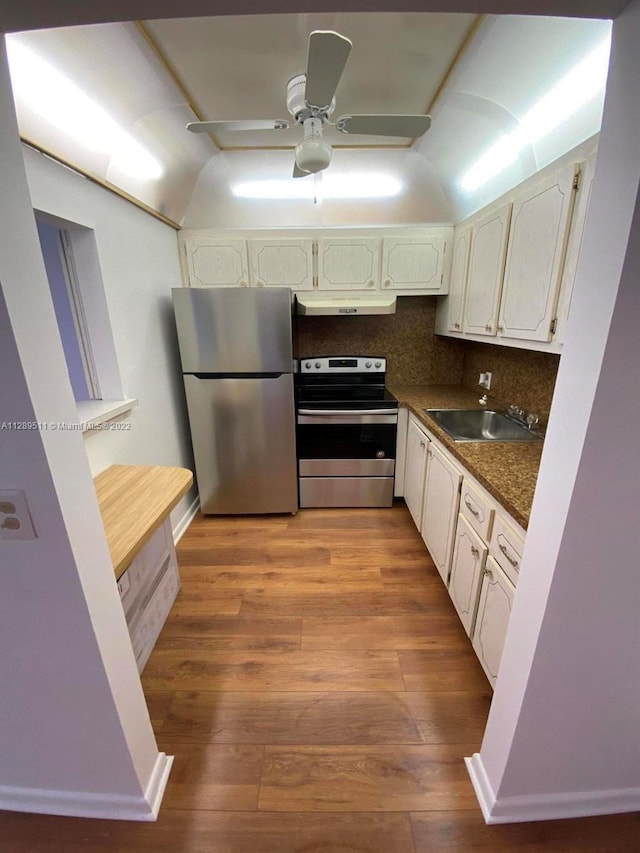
477, 75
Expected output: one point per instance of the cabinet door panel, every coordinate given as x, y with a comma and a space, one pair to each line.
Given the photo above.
440, 509
348, 264
537, 242
415, 469
458, 284
281, 263
469, 556
486, 269
494, 610
216, 263
415, 263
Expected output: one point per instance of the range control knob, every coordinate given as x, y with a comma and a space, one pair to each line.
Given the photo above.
318, 365
368, 364
308, 365
378, 364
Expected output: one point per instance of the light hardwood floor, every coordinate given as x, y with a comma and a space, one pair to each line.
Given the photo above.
319, 693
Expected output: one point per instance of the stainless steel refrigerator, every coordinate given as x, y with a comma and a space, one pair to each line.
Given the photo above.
237, 362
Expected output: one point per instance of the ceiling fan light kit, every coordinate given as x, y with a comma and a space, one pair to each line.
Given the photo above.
311, 101
313, 153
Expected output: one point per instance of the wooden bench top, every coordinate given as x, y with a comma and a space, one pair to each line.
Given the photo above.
134, 501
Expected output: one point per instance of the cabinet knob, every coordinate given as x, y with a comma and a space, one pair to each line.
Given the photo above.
488, 328
456, 325
501, 329
474, 552
387, 282
243, 284
488, 573
370, 283
260, 284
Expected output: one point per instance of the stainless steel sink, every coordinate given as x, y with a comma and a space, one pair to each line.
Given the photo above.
481, 425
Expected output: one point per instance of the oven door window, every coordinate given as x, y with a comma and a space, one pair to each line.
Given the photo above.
346, 441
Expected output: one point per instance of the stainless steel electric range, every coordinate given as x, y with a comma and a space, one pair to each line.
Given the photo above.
346, 432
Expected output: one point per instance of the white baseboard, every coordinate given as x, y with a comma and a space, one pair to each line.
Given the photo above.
186, 520
547, 806
84, 804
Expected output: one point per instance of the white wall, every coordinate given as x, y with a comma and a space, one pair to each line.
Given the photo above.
213, 204
562, 736
139, 263
75, 735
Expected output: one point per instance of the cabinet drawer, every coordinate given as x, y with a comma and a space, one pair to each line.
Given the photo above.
506, 548
476, 509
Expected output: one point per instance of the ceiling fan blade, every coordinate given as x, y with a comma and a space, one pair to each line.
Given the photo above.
298, 172
256, 124
327, 56
387, 125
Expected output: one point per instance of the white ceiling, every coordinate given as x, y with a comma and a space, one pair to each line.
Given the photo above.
238, 67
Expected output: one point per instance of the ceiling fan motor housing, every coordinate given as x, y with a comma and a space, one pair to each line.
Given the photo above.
297, 105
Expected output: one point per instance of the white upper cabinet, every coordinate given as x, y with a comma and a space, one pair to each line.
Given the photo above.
537, 241
348, 263
417, 263
458, 281
486, 269
216, 262
281, 263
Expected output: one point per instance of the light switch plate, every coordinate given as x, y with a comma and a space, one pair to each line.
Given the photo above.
21, 515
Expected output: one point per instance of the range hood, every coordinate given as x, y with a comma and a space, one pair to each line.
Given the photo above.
351, 305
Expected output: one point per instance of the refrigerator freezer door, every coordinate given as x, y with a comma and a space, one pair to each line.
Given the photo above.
243, 433
234, 329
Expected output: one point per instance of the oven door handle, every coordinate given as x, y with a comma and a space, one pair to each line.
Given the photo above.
329, 417
331, 412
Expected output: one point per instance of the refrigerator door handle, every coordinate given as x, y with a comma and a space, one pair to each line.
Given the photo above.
236, 375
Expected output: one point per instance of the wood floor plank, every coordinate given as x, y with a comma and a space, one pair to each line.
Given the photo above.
216, 777
432, 631
355, 604
298, 579
222, 602
442, 669
276, 556
341, 717
453, 832
441, 717
274, 670
229, 632
363, 778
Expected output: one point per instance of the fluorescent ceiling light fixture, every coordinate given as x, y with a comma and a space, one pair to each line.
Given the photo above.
582, 84
369, 185
61, 103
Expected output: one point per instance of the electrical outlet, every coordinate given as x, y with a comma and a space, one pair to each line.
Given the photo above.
484, 381
15, 520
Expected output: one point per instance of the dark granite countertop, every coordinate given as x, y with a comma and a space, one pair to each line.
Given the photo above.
508, 471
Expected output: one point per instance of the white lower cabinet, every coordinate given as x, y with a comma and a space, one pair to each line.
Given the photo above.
440, 509
148, 588
469, 557
492, 620
415, 469
476, 546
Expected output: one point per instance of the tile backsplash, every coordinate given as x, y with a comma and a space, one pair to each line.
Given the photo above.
519, 376
415, 356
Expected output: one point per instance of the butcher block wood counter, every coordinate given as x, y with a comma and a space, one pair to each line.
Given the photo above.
134, 501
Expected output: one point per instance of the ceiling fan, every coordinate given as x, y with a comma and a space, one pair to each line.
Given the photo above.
311, 101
